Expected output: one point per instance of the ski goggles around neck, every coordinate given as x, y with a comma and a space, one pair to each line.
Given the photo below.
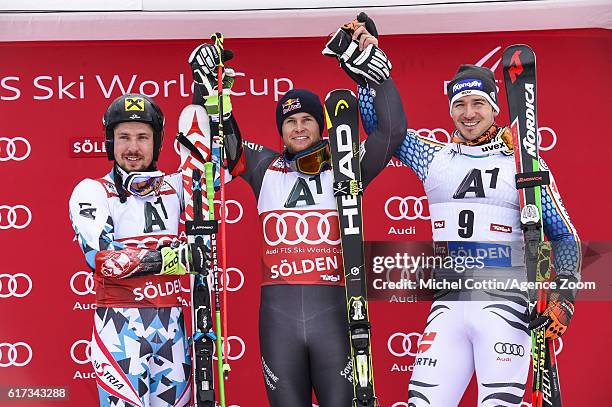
143, 184
312, 160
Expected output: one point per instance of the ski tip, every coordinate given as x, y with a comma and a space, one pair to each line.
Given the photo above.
335, 91
327, 118
518, 46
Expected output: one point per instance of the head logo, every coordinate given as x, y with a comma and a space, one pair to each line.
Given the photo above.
15, 285
407, 207
15, 354
16, 217
82, 283
16, 149
136, 104
80, 352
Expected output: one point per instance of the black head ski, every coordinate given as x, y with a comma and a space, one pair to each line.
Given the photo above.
342, 114
519, 67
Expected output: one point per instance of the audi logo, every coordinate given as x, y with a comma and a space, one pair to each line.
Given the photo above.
229, 218
406, 207
293, 228
436, 134
228, 203
230, 287
16, 148
403, 345
15, 285
559, 347
553, 138
17, 217
80, 352
230, 339
15, 354
509, 349
82, 283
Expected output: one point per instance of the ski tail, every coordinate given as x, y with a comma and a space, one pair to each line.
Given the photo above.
342, 115
519, 66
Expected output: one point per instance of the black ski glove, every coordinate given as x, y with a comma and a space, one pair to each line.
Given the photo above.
204, 60
371, 63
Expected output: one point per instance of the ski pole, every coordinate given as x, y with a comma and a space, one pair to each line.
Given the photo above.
218, 38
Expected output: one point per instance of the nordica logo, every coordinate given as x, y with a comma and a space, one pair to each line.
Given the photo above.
530, 123
467, 84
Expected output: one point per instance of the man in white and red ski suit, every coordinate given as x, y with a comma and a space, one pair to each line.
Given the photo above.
127, 225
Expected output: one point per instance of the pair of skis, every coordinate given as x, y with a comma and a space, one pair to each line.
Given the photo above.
342, 114
520, 80
202, 169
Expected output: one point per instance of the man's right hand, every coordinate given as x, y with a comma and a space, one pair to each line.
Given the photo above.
204, 61
175, 260
356, 48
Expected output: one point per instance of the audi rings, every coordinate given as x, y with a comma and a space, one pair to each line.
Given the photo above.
408, 207
228, 218
230, 281
16, 149
408, 348
16, 217
15, 354
80, 352
15, 285
83, 285
509, 349
553, 136
559, 348
293, 233
230, 339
